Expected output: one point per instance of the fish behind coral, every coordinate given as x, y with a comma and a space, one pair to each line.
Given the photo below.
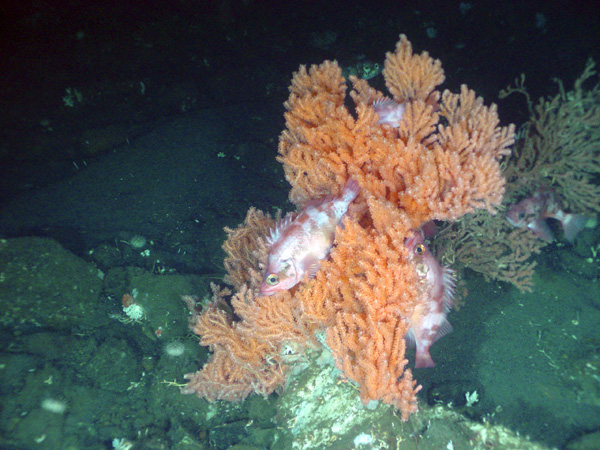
389, 111
533, 212
298, 245
363, 69
428, 323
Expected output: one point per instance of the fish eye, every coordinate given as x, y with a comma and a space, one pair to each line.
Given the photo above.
272, 279
419, 249
521, 214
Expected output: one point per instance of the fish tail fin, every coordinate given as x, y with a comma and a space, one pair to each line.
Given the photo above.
572, 224
351, 190
423, 359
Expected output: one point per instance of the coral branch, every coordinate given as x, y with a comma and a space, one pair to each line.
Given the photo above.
442, 161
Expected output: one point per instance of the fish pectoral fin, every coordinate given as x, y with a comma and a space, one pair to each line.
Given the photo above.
444, 329
541, 229
311, 265
410, 338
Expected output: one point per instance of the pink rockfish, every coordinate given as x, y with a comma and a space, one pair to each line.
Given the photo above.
389, 111
428, 324
533, 212
298, 245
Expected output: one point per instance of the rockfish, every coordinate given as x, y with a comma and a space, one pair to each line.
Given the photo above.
533, 212
300, 243
389, 111
429, 324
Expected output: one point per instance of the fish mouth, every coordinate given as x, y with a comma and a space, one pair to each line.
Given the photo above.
265, 291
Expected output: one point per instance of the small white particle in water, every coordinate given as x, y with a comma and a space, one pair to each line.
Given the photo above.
137, 241
134, 311
175, 349
54, 406
363, 439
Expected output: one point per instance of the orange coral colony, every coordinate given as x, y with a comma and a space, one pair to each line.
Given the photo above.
441, 162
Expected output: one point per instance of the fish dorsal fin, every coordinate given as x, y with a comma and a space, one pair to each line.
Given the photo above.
384, 102
449, 281
280, 228
318, 201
